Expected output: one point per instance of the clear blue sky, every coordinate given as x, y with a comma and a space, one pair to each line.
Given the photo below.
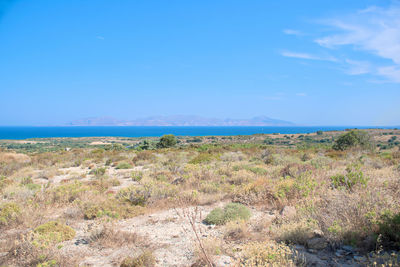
331, 62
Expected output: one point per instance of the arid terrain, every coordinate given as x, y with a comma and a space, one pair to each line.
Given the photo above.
320, 199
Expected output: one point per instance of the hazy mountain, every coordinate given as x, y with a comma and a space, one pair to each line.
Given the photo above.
179, 120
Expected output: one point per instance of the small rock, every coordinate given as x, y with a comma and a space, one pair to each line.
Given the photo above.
223, 260
3, 254
318, 233
299, 247
317, 243
348, 248
341, 253
288, 212
360, 258
311, 250
313, 260
81, 242
338, 254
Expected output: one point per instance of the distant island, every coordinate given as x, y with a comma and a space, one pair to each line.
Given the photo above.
179, 120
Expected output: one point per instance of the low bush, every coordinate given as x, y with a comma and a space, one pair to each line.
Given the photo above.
389, 229
143, 155
267, 254
204, 157
9, 212
145, 259
112, 208
52, 232
135, 195
353, 176
124, 165
137, 176
98, 171
232, 211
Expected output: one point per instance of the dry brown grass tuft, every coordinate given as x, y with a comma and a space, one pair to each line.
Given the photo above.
108, 236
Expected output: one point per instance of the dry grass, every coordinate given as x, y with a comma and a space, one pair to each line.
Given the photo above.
233, 170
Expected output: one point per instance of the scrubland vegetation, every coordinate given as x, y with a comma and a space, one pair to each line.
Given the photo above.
321, 199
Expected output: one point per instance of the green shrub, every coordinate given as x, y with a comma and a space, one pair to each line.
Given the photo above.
68, 192
389, 229
123, 165
52, 232
98, 171
9, 212
166, 141
137, 176
353, 176
269, 254
354, 138
111, 208
216, 216
91, 211
203, 157
135, 195
232, 211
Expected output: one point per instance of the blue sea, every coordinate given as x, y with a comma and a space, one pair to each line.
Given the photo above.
22, 132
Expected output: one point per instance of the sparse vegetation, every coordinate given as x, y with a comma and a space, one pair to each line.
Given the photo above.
312, 190
232, 211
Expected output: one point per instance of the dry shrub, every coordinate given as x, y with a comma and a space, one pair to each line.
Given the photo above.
257, 192
336, 154
236, 230
7, 169
22, 251
9, 213
267, 253
240, 177
212, 247
107, 236
146, 259
349, 217
14, 158
294, 232
295, 169
66, 193
145, 155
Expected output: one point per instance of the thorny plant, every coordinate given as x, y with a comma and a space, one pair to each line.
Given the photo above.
192, 215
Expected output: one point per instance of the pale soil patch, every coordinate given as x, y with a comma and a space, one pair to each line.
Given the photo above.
167, 233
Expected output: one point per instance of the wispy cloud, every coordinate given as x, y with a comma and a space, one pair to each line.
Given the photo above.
100, 37
273, 98
301, 94
355, 67
292, 32
390, 72
307, 56
374, 30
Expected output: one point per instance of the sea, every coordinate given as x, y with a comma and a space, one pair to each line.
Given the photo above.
31, 132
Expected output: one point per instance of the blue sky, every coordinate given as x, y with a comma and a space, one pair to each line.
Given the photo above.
331, 62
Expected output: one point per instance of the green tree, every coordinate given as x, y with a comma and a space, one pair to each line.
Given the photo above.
354, 138
168, 140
